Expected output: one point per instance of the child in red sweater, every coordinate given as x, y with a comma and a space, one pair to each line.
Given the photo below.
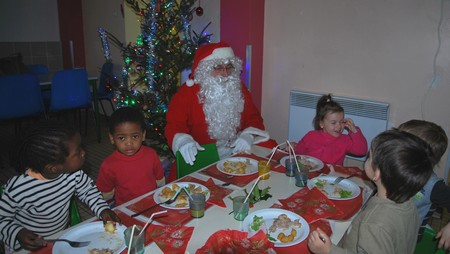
327, 142
133, 169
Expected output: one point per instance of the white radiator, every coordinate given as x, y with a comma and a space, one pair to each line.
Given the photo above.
372, 117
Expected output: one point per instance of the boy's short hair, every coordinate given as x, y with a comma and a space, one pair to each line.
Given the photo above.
429, 132
404, 161
126, 114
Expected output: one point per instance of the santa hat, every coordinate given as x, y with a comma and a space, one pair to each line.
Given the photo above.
220, 50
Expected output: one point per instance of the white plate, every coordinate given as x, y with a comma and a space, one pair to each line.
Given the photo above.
329, 190
94, 232
251, 166
159, 199
314, 162
269, 215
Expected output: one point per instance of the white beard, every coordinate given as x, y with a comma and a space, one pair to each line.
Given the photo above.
223, 104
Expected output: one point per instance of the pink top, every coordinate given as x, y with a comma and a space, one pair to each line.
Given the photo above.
130, 176
332, 150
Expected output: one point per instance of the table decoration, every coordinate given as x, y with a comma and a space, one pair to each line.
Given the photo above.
235, 241
311, 204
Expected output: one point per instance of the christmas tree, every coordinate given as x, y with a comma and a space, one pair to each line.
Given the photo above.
152, 66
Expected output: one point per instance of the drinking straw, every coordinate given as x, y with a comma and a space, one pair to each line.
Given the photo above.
273, 152
256, 182
149, 219
295, 157
187, 192
131, 238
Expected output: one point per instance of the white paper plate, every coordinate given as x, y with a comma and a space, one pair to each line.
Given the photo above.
314, 162
269, 215
251, 166
158, 198
95, 233
330, 190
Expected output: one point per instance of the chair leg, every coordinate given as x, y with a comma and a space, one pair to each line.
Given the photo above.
103, 109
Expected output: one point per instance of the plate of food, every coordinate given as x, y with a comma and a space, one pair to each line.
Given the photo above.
311, 163
182, 202
238, 166
104, 239
282, 227
344, 190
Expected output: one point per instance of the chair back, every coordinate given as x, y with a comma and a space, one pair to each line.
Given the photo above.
38, 69
105, 74
21, 96
428, 243
70, 90
203, 159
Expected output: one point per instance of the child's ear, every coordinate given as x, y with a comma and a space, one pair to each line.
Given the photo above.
144, 135
111, 138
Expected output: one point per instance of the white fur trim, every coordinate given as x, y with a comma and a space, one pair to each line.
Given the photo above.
259, 135
179, 140
220, 53
189, 82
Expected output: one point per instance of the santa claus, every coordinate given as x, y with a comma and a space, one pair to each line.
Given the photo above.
214, 106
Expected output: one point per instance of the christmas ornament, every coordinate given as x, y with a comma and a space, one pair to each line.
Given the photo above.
199, 9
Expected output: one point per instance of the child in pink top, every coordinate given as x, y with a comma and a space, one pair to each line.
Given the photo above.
133, 169
327, 142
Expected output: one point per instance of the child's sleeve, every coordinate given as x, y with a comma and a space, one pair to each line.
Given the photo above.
359, 143
88, 193
9, 228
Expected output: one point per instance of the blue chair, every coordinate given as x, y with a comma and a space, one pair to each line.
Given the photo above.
103, 93
21, 97
38, 69
70, 91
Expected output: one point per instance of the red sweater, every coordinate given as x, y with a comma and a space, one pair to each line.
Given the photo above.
332, 150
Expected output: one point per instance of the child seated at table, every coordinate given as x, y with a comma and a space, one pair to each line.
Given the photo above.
133, 169
435, 193
327, 142
399, 164
35, 204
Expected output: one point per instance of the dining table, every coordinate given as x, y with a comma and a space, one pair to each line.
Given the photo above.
46, 83
218, 219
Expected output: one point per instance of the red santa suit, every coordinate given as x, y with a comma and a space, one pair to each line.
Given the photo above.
186, 114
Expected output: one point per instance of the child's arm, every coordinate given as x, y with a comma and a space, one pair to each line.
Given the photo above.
161, 182
319, 242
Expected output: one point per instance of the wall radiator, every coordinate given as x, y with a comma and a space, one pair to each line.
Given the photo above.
372, 117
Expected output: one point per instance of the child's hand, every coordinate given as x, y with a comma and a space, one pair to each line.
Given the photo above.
109, 215
444, 235
350, 125
319, 242
29, 240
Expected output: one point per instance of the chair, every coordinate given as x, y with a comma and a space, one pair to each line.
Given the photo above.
21, 97
203, 159
70, 90
103, 94
428, 243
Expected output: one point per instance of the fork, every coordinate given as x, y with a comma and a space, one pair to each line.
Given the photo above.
73, 244
167, 202
340, 178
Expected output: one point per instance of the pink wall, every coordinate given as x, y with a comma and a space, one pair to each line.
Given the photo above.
242, 23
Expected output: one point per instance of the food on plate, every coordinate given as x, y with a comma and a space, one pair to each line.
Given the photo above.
110, 227
283, 222
287, 238
336, 190
182, 200
235, 167
100, 251
256, 223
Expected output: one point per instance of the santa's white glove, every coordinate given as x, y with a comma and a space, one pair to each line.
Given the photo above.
187, 146
189, 151
244, 142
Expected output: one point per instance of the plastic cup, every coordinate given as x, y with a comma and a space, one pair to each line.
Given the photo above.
197, 205
263, 168
240, 209
301, 177
291, 167
137, 243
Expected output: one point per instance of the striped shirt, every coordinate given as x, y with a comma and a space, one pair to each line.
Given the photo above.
42, 206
